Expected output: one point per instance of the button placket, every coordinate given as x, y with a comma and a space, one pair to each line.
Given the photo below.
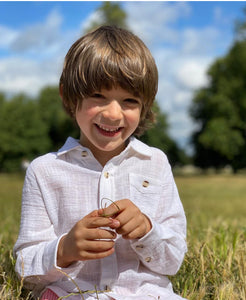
108, 264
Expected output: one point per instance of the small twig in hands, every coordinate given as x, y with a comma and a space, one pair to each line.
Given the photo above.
105, 206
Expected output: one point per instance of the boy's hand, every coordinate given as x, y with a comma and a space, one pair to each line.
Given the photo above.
133, 223
86, 240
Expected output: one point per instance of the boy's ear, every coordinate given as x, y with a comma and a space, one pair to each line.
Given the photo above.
61, 90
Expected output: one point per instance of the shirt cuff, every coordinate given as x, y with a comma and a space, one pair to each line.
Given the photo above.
50, 259
161, 250
144, 246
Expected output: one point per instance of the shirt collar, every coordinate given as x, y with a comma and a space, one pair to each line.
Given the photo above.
70, 144
134, 144
139, 147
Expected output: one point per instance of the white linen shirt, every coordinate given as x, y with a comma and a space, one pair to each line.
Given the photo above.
61, 188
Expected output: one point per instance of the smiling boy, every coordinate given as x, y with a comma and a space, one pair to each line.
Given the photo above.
70, 243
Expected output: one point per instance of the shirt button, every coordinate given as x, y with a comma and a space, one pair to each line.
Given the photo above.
148, 259
84, 153
106, 174
145, 183
140, 246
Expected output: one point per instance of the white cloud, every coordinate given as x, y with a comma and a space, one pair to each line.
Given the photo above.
36, 56
179, 75
24, 75
39, 37
182, 97
96, 16
7, 36
151, 20
191, 73
199, 40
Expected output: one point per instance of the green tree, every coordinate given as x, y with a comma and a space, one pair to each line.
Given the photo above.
23, 134
60, 125
109, 13
220, 111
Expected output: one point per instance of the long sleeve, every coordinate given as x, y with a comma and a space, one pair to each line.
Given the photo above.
162, 250
37, 243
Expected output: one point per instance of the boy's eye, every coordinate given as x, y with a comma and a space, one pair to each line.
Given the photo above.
132, 101
97, 95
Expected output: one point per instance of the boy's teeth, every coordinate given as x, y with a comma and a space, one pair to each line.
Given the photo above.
108, 129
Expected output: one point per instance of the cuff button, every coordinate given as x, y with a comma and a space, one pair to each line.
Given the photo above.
148, 259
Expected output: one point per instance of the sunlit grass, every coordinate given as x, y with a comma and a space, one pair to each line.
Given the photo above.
10, 203
212, 201
215, 265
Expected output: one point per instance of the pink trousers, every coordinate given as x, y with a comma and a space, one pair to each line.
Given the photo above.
49, 295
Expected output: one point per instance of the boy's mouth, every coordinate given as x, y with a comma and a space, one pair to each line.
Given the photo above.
108, 130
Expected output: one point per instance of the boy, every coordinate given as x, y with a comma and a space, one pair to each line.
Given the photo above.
102, 218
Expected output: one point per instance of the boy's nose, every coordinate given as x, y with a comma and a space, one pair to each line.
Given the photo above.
112, 111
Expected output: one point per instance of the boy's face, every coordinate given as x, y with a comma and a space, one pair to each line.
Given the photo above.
107, 119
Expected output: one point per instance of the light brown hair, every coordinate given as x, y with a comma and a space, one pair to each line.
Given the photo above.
105, 58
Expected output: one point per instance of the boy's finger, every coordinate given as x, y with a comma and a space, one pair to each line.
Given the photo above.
112, 210
101, 222
98, 246
100, 234
89, 255
114, 223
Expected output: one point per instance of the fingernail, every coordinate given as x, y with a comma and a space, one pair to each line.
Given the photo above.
115, 222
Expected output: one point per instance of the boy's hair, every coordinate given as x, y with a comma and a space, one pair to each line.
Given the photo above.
106, 58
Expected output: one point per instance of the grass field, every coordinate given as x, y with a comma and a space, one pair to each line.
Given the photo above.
215, 265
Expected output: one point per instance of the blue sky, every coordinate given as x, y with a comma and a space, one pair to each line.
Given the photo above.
184, 38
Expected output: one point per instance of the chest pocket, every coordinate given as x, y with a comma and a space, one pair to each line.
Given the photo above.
145, 192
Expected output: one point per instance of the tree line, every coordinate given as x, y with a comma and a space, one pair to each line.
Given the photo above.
30, 127
219, 109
